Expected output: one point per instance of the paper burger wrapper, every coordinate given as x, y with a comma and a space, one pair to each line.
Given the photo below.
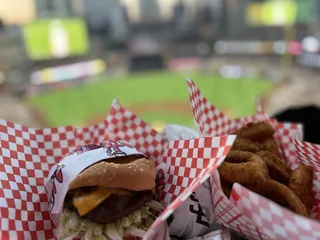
27, 155
248, 213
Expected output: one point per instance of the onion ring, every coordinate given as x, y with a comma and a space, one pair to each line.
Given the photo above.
256, 131
244, 144
301, 184
278, 170
271, 145
280, 194
243, 167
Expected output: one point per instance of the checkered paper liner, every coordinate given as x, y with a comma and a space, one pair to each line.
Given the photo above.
238, 213
26, 156
212, 122
190, 163
309, 154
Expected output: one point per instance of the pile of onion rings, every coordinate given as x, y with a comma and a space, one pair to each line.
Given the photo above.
255, 162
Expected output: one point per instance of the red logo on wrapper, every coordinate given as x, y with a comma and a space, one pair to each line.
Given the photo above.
83, 149
57, 175
160, 181
86, 148
113, 148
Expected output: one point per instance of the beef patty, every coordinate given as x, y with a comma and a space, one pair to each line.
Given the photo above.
115, 206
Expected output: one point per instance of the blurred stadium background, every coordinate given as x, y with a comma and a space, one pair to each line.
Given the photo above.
63, 61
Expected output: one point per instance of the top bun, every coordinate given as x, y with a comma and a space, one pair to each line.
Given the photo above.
130, 172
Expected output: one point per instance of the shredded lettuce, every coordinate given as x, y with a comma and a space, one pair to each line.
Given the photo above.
72, 224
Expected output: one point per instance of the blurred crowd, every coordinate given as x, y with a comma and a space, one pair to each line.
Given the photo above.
16, 110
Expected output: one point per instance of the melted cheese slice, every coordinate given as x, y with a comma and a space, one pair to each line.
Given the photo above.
85, 202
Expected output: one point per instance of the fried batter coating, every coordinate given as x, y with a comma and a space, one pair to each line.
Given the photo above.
280, 194
244, 144
278, 170
255, 162
243, 167
271, 145
301, 184
256, 131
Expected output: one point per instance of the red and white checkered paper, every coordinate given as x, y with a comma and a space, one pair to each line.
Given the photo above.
26, 156
309, 154
248, 213
212, 122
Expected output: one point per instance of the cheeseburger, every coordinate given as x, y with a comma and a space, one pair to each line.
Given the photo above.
109, 199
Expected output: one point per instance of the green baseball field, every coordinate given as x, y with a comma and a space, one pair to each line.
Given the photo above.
157, 97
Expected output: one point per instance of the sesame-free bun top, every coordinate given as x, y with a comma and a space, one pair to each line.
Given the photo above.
130, 172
